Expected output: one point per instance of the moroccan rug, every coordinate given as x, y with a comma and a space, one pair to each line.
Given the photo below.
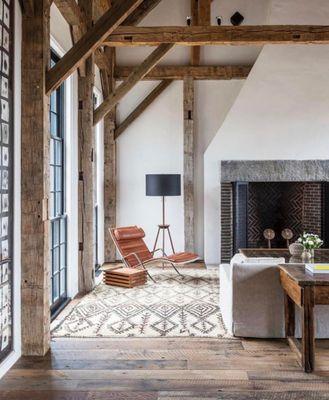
174, 306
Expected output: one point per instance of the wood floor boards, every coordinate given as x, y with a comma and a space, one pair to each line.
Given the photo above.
167, 369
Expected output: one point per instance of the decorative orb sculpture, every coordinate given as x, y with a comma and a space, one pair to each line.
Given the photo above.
269, 234
287, 234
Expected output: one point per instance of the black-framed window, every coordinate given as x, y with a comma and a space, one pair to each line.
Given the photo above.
58, 245
6, 176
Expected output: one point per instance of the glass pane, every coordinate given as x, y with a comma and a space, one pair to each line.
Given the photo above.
55, 233
58, 178
52, 205
63, 282
55, 287
53, 101
52, 151
52, 178
55, 260
63, 256
58, 159
58, 203
53, 124
63, 230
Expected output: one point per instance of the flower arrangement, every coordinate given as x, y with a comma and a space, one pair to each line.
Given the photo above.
310, 241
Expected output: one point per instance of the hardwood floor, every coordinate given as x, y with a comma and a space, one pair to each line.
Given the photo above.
167, 369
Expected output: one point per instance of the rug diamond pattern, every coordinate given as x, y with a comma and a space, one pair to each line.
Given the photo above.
173, 306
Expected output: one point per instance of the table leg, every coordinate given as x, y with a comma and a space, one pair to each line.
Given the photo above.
289, 314
308, 343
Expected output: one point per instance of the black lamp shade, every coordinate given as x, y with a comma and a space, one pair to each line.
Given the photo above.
163, 185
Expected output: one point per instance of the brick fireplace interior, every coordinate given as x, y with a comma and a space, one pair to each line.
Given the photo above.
248, 208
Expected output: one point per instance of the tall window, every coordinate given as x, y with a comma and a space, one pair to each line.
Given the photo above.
6, 177
58, 246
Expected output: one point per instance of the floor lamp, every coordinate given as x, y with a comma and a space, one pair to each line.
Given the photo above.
163, 185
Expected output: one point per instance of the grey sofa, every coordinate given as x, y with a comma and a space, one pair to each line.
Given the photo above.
252, 303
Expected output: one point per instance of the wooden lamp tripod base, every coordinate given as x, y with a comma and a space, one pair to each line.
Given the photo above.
163, 227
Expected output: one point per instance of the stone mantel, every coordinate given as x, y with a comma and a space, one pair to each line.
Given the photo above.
274, 171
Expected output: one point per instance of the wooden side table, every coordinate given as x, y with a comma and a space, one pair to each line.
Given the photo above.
305, 290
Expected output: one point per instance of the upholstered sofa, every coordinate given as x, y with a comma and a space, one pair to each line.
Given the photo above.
252, 303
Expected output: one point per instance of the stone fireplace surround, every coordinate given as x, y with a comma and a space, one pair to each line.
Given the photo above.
261, 171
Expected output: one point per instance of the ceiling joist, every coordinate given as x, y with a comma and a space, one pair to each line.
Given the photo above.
89, 42
219, 35
202, 72
136, 75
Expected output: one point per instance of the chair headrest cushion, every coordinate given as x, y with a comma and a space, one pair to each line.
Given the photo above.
129, 232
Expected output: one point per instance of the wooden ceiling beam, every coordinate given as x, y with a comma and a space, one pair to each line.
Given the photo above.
136, 75
89, 42
202, 72
195, 50
219, 35
142, 107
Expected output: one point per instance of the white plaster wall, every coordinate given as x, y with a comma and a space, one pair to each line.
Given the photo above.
281, 112
16, 353
143, 147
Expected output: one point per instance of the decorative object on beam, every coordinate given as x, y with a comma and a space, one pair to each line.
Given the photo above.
237, 19
188, 21
219, 35
219, 20
89, 42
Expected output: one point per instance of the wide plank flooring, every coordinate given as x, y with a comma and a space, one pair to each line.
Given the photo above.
167, 369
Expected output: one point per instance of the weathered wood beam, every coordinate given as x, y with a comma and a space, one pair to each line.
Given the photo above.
108, 84
100, 8
89, 42
27, 7
199, 72
195, 50
141, 12
219, 35
35, 185
142, 107
86, 144
137, 74
188, 104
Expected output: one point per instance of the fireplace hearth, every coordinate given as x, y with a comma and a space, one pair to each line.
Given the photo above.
251, 205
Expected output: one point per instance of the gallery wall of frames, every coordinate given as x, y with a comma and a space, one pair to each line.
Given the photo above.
6, 175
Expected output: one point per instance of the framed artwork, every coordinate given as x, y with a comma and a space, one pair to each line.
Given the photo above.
6, 175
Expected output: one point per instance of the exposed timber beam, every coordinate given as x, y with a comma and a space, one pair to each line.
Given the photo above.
189, 126
219, 35
142, 107
195, 50
86, 144
28, 7
89, 42
137, 74
35, 282
198, 72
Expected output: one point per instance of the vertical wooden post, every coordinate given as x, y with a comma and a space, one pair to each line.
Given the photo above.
109, 166
86, 173
35, 181
189, 163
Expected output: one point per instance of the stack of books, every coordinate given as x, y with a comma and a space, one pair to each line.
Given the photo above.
318, 268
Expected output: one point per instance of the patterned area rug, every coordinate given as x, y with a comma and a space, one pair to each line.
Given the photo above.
174, 306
